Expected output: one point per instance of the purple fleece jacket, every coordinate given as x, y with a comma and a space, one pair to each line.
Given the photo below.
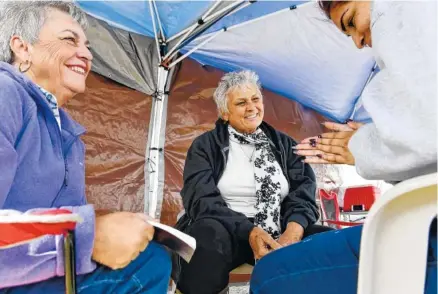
41, 166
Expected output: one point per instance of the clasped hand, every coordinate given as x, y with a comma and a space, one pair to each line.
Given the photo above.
262, 243
120, 237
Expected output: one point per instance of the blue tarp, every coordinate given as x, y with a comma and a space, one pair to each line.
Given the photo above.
253, 11
135, 16
298, 54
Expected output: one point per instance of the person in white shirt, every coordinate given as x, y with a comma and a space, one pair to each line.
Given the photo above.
401, 141
399, 144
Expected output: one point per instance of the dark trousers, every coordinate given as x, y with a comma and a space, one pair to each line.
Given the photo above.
217, 253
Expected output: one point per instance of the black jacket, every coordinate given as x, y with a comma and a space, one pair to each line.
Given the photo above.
205, 163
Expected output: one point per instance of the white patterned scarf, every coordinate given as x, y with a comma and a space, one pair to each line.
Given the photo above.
267, 177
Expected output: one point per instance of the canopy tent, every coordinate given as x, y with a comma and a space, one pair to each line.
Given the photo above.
299, 55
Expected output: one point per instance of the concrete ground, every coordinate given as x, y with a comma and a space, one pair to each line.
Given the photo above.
242, 288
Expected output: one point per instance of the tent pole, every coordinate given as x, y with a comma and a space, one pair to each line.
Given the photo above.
196, 48
241, 7
175, 49
159, 20
177, 35
157, 43
154, 168
209, 18
261, 18
172, 52
216, 3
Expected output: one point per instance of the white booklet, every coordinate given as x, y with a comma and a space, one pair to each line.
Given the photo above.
175, 240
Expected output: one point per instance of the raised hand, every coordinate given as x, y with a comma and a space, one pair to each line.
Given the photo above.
332, 147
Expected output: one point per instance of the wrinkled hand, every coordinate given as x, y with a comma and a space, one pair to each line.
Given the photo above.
293, 234
120, 237
330, 147
261, 242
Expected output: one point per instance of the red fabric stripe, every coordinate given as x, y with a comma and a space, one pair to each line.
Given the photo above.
341, 223
12, 233
16, 233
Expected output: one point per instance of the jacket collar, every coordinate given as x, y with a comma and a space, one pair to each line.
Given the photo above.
221, 135
68, 124
222, 138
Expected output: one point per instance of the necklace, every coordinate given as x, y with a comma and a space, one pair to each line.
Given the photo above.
250, 158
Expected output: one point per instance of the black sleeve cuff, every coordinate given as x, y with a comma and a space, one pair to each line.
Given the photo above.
243, 229
299, 219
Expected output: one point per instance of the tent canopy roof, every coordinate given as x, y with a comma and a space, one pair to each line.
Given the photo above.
296, 52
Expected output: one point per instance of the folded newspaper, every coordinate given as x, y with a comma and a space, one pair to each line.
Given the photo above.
175, 240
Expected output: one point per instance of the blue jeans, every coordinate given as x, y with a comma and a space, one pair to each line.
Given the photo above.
325, 263
148, 273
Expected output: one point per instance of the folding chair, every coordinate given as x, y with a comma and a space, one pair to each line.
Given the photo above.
330, 211
358, 201
17, 228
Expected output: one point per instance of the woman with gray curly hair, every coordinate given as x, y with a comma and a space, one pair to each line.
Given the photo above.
44, 62
245, 192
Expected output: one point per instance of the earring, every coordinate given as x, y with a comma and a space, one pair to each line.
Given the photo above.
27, 65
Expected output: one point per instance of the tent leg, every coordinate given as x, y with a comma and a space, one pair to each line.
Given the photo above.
154, 167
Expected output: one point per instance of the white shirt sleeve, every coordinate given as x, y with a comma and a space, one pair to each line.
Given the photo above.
401, 99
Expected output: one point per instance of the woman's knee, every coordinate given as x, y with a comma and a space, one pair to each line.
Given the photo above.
150, 270
320, 250
153, 262
214, 247
207, 224
159, 258
210, 233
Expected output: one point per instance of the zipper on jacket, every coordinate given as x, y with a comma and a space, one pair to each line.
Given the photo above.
66, 174
65, 183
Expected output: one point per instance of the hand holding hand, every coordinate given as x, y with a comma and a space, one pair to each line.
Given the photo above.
261, 242
120, 237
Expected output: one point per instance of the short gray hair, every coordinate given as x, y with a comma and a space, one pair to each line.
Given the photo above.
230, 81
26, 18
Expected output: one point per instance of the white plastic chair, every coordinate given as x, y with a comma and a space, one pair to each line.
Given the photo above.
395, 236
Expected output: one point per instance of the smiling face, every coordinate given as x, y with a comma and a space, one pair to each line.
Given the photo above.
60, 59
245, 108
353, 19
